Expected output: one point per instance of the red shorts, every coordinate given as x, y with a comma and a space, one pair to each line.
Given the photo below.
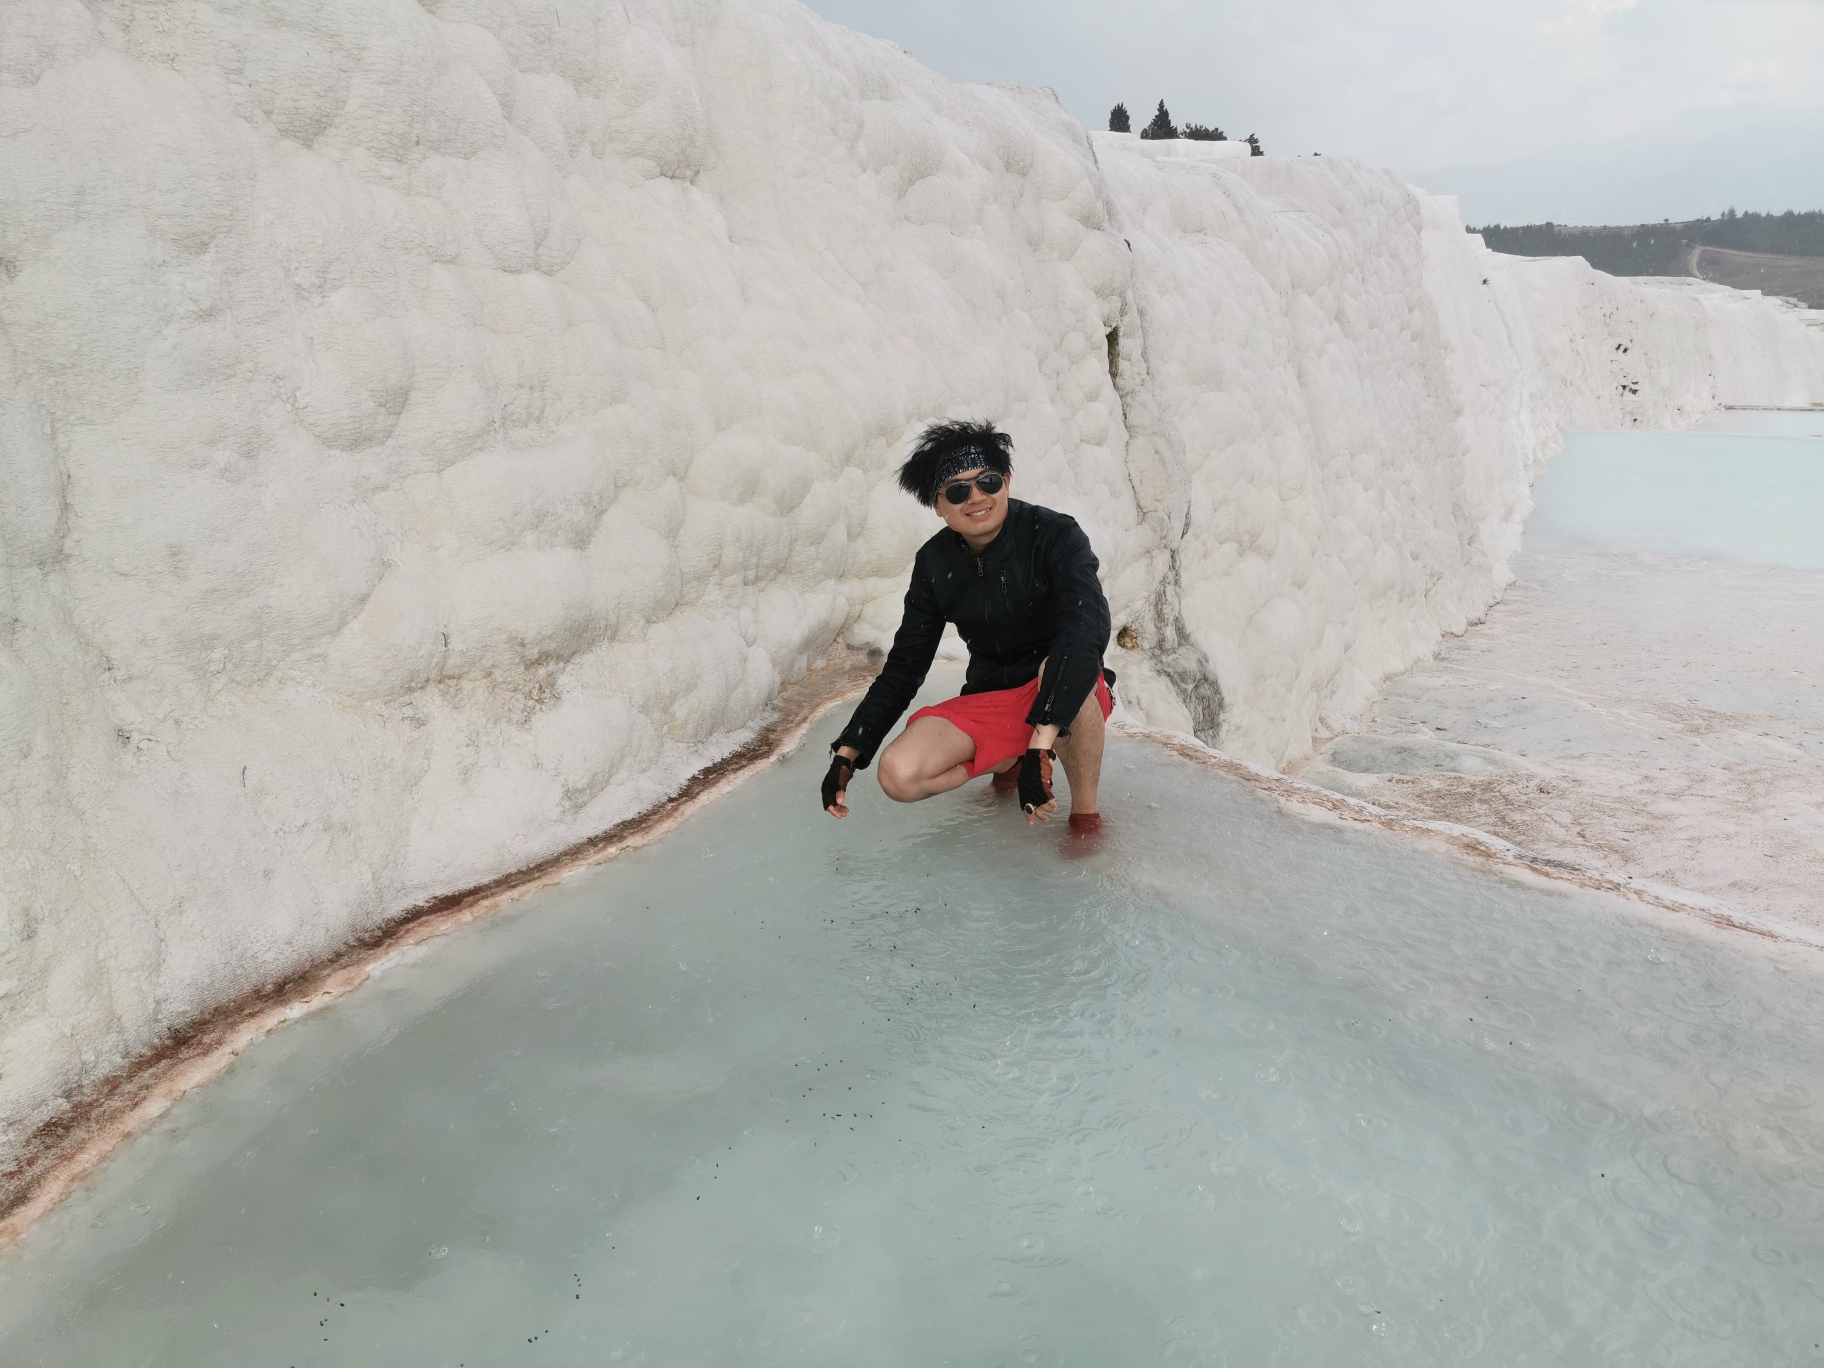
996, 721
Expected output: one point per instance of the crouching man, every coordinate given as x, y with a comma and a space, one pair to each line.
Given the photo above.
1019, 582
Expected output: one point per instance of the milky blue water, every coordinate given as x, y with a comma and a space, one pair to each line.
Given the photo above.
1752, 493
914, 1089
1768, 422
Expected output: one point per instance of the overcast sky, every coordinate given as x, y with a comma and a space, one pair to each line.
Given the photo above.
1411, 84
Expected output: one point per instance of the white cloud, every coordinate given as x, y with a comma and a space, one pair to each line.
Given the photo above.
1757, 80
1580, 25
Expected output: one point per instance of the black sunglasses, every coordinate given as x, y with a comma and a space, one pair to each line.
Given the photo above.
989, 482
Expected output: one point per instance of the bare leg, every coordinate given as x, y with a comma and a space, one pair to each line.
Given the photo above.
926, 759
1081, 754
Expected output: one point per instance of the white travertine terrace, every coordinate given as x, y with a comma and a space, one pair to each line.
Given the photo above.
430, 432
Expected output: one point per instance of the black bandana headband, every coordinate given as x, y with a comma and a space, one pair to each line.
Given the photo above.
963, 458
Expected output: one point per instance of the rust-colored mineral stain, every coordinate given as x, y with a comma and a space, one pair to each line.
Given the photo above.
66, 1149
1310, 800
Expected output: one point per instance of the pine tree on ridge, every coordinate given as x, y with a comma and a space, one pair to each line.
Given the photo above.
1161, 127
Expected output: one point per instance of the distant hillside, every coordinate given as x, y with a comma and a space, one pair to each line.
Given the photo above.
1778, 253
1792, 277
1682, 167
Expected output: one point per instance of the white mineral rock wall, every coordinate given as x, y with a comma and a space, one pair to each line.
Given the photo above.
1336, 402
428, 432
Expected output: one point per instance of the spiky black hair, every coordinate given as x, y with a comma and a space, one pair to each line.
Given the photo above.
933, 460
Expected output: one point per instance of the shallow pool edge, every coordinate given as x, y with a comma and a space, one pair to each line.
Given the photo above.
119, 1107
1671, 906
125, 1104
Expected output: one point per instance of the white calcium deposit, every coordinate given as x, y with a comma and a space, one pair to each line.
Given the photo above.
428, 432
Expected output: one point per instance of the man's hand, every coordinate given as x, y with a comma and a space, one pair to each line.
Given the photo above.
836, 784
1035, 799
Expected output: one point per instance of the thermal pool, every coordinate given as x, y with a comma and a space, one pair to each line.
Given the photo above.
915, 1089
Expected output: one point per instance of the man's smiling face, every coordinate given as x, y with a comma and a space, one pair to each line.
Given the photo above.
979, 517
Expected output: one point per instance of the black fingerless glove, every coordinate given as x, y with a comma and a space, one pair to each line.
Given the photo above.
842, 769
1033, 793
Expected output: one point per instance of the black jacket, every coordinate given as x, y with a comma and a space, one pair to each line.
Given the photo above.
1031, 596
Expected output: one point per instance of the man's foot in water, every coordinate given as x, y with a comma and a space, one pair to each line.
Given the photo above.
1083, 835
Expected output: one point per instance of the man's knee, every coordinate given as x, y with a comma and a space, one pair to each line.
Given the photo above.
899, 777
